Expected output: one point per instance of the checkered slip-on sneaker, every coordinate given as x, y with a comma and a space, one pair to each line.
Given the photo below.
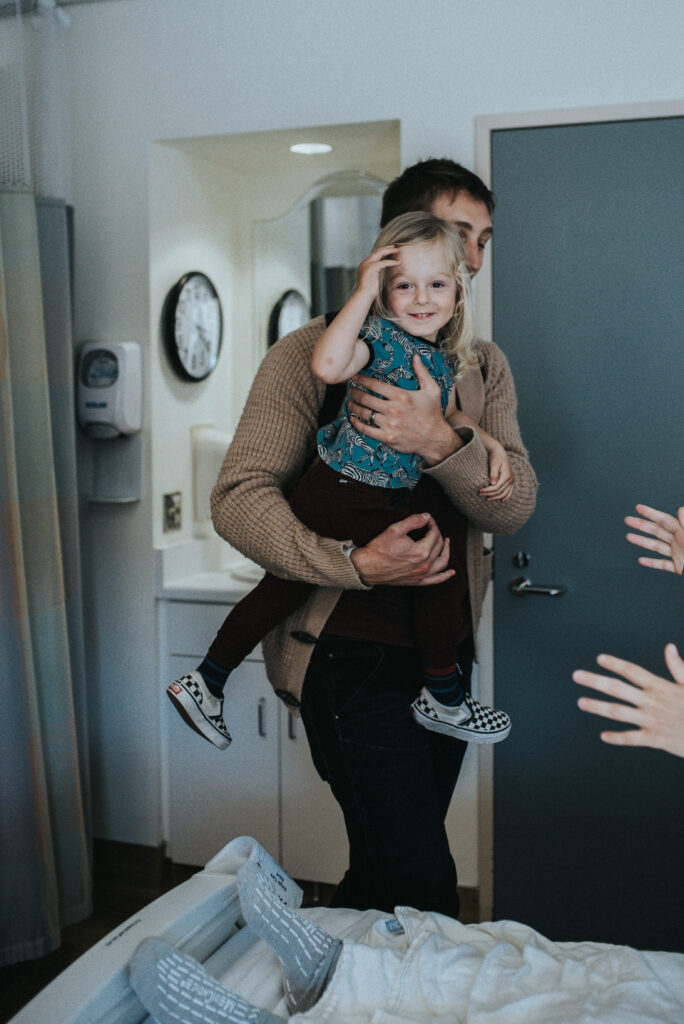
201, 710
469, 721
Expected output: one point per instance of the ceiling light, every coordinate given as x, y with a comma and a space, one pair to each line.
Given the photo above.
309, 148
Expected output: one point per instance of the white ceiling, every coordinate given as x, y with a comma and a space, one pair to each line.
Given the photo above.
378, 141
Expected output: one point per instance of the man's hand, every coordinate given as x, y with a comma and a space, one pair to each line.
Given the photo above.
410, 421
394, 558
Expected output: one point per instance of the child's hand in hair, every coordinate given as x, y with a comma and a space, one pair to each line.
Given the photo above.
368, 274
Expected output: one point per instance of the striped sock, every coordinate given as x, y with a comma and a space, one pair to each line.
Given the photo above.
307, 953
214, 676
445, 684
175, 988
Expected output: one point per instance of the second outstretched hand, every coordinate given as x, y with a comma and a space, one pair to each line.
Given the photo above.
666, 537
394, 558
653, 704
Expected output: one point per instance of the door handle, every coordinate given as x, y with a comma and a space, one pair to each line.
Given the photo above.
291, 727
261, 716
521, 586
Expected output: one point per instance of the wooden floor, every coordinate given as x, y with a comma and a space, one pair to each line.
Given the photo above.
127, 878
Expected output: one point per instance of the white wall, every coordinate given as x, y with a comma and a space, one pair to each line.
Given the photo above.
155, 70
194, 225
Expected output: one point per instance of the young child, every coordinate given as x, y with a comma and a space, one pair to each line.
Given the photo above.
415, 284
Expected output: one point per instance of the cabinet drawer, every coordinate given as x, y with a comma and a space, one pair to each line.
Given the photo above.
189, 627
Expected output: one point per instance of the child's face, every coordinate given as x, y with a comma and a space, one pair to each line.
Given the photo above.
421, 291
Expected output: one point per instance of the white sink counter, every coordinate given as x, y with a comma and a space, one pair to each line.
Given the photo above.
218, 586
189, 572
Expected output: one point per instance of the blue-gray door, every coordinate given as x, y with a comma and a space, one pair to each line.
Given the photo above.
589, 307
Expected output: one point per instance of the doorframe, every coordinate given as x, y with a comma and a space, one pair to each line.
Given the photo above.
485, 125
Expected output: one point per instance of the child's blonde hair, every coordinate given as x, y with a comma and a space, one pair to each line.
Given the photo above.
457, 337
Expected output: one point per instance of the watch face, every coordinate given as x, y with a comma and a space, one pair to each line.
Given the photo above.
194, 326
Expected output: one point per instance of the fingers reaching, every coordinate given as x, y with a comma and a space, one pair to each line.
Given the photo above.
661, 533
675, 663
654, 705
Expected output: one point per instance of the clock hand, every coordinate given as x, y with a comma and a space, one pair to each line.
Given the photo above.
193, 323
206, 341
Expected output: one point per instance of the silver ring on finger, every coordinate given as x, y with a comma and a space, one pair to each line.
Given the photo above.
371, 421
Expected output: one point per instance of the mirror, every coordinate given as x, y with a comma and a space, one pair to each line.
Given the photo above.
342, 231
313, 250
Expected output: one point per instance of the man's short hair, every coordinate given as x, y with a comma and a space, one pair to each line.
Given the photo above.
418, 186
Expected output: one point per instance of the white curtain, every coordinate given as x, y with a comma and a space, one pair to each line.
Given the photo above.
45, 880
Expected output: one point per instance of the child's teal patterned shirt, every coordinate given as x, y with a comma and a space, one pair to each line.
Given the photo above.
364, 458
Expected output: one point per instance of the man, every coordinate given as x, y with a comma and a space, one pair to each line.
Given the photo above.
346, 658
451, 193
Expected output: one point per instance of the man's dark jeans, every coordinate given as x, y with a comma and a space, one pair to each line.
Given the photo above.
392, 778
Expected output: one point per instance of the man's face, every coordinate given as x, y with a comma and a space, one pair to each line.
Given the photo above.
471, 219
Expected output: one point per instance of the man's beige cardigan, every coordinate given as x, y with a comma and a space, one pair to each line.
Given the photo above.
273, 444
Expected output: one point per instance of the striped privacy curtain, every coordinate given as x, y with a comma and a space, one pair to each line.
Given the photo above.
44, 850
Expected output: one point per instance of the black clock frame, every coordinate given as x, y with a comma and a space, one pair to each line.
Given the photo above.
168, 325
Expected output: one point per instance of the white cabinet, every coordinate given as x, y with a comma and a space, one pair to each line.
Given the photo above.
264, 784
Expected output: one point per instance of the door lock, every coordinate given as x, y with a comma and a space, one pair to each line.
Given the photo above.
521, 559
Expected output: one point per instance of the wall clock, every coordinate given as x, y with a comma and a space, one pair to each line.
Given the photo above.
290, 312
192, 326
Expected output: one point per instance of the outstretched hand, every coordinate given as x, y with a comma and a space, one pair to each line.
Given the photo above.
666, 537
653, 704
396, 559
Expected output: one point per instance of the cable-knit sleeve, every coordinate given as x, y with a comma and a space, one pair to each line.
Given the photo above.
466, 471
273, 443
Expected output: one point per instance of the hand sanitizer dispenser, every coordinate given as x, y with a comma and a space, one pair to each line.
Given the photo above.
110, 388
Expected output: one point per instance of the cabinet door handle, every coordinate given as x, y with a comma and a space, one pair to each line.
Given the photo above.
261, 716
292, 727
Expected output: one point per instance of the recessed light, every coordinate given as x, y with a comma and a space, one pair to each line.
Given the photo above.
309, 148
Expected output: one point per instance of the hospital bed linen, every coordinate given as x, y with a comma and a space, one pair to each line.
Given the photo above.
415, 967
496, 973
440, 971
